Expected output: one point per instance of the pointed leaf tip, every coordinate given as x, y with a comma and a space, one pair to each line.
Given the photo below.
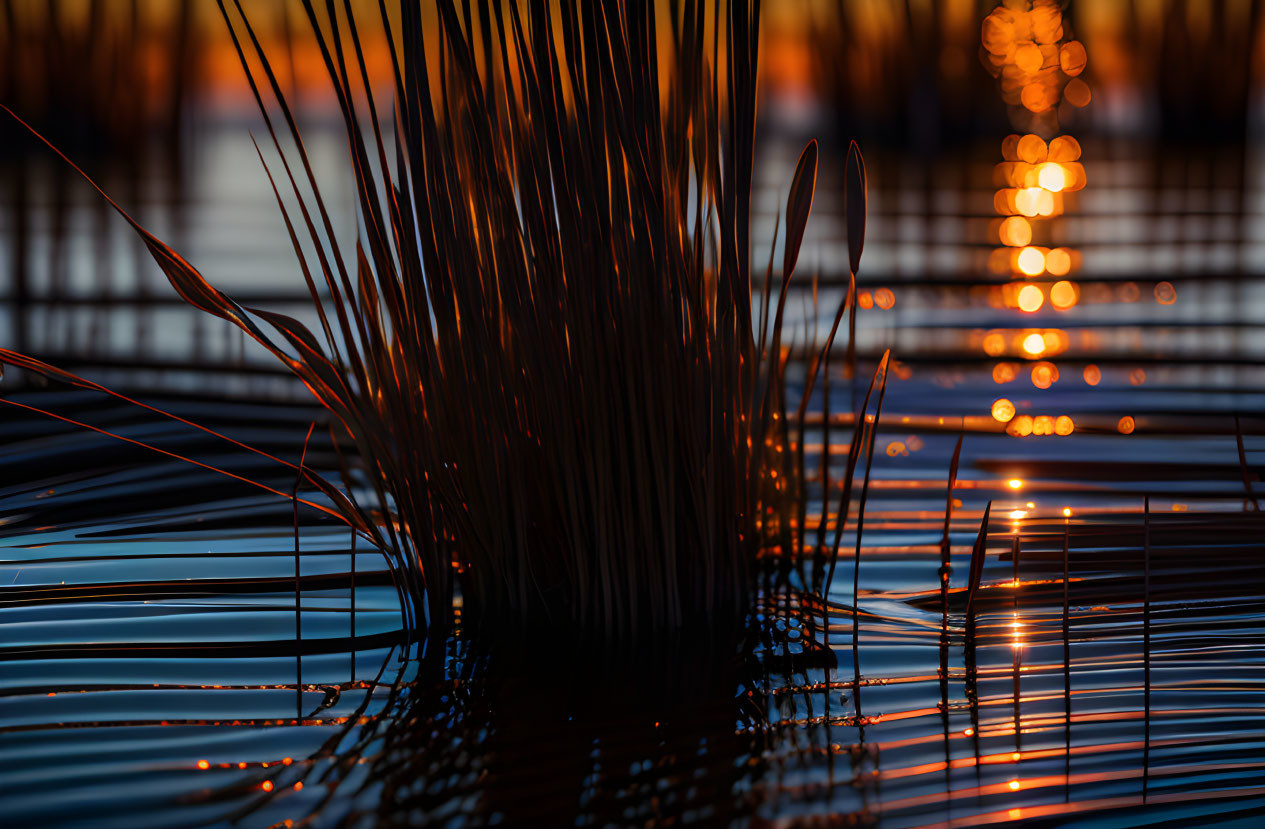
799, 204
855, 201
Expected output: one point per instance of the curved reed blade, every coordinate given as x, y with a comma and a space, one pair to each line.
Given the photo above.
856, 200
978, 553
799, 204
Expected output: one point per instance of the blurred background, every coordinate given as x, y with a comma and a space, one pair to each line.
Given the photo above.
148, 96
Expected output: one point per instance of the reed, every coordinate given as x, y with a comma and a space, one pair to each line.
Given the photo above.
541, 357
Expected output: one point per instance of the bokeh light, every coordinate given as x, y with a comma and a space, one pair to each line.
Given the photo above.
1031, 261
1044, 375
1031, 298
1058, 261
1005, 372
1003, 410
1015, 232
1051, 177
1063, 295
1020, 426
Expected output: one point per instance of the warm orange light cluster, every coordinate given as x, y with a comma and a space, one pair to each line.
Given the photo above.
1037, 66
1022, 426
1029, 343
1028, 48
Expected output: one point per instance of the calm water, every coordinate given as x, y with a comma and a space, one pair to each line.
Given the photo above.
148, 610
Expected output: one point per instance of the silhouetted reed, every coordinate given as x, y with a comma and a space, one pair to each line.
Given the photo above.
542, 359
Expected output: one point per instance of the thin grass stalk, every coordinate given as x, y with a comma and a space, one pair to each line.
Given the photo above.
856, 558
1146, 645
943, 574
352, 602
1247, 481
978, 553
298, 592
1067, 654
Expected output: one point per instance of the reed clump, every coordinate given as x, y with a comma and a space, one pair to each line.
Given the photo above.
540, 358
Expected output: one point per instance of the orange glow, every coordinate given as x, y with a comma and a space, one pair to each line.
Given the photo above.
1165, 293
287, 761
1010, 147
1063, 294
1051, 177
1046, 205
1067, 512
1058, 262
1028, 58
1031, 148
1027, 201
1018, 514
1036, 97
1074, 176
1126, 425
994, 344
1031, 298
1034, 344
1003, 410
1005, 372
1077, 93
884, 298
1015, 483
1137, 377
1092, 375
298, 786
266, 785
204, 765
1014, 785
1020, 426
1043, 425
968, 732
1064, 148
1072, 58
1031, 262
1064, 425
1015, 232
1044, 375
896, 448
865, 300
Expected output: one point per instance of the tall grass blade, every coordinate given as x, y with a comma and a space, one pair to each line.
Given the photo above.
978, 553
